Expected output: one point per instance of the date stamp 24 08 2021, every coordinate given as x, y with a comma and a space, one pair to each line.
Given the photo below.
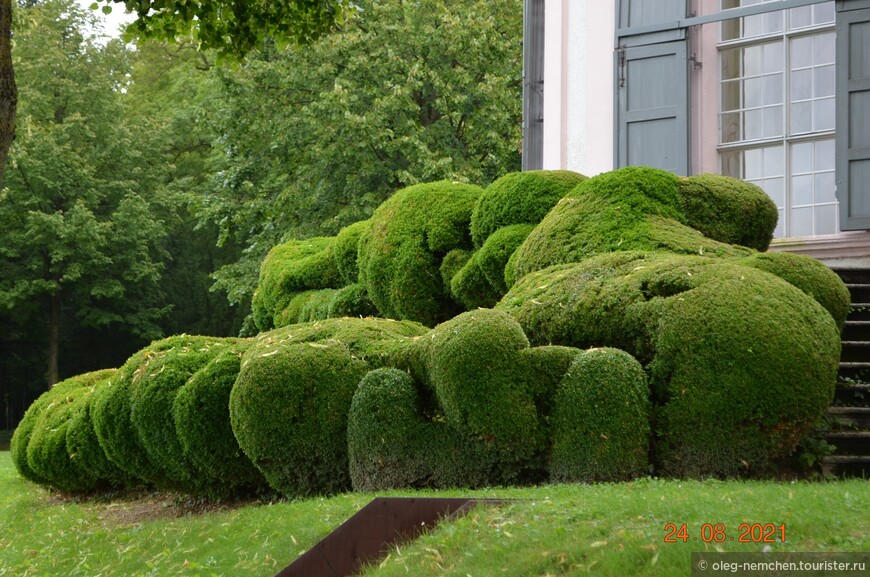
719, 533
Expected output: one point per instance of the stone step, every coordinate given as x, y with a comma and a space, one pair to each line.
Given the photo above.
852, 371
856, 331
849, 395
853, 275
855, 351
859, 292
854, 443
852, 418
859, 312
846, 466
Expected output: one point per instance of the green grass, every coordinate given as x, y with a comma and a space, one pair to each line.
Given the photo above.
613, 530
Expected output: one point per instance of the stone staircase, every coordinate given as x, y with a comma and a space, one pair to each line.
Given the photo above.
848, 417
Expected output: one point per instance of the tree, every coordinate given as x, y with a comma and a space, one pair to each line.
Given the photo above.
404, 92
77, 235
228, 26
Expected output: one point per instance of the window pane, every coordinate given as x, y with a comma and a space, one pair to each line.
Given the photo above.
801, 85
753, 25
826, 219
773, 121
824, 49
779, 231
731, 163
773, 22
753, 124
801, 117
824, 81
773, 165
753, 162
801, 17
730, 61
824, 187
823, 114
824, 154
774, 189
802, 221
823, 13
773, 89
730, 127
773, 57
752, 61
802, 52
802, 190
802, 158
730, 95
753, 89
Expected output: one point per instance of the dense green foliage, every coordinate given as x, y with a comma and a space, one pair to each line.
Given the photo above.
47, 452
153, 390
728, 210
408, 237
202, 424
289, 406
520, 198
741, 363
634, 208
601, 419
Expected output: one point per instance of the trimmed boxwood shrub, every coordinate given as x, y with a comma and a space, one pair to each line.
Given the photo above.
152, 395
202, 422
351, 301
290, 268
83, 446
346, 249
47, 453
633, 208
21, 438
809, 275
470, 364
401, 252
601, 419
728, 209
305, 307
519, 198
290, 403
386, 434
741, 363
471, 288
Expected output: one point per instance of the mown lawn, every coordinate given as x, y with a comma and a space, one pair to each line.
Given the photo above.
613, 530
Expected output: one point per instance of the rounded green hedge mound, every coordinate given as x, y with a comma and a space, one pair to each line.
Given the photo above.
809, 275
290, 268
633, 208
152, 395
471, 363
21, 438
729, 210
601, 419
202, 422
290, 403
519, 198
346, 250
47, 453
401, 252
741, 362
495, 253
82, 441
386, 435
470, 287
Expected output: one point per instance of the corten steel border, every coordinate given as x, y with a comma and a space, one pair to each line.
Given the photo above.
368, 535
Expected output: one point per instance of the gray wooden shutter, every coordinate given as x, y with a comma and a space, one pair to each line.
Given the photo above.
533, 84
853, 114
652, 92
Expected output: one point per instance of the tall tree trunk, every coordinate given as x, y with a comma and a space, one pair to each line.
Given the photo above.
8, 91
53, 338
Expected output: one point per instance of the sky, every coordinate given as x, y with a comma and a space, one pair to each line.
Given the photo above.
111, 22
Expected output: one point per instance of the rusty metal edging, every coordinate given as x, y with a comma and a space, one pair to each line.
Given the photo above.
367, 536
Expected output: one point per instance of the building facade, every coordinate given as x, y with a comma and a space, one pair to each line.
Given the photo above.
776, 92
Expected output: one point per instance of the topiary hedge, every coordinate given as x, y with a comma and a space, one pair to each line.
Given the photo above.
290, 268
290, 403
402, 250
202, 423
601, 419
519, 198
47, 454
729, 210
152, 395
734, 353
346, 249
633, 208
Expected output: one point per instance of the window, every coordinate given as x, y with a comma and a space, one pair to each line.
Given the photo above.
776, 111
